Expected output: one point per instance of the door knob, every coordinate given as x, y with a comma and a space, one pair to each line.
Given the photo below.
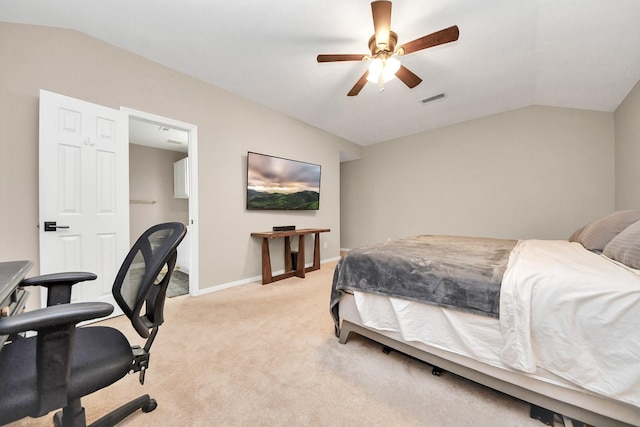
51, 226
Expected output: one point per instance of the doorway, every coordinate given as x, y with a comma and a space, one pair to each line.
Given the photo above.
175, 140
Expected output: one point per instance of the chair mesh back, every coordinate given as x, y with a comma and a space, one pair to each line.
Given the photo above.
144, 275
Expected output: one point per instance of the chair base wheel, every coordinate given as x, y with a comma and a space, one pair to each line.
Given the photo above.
145, 403
150, 406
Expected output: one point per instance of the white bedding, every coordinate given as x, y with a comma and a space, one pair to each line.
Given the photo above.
467, 334
563, 309
575, 314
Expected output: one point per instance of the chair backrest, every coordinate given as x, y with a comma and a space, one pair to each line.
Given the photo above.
144, 276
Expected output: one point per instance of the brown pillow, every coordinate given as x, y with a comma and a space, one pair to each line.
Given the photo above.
575, 237
597, 234
625, 247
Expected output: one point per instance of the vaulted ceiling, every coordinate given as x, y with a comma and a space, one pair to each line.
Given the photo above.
511, 53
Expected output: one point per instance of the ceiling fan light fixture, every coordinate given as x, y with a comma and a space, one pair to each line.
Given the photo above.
387, 68
382, 45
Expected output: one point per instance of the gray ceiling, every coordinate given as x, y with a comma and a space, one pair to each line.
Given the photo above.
511, 53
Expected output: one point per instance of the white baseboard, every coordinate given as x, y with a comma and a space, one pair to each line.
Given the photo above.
228, 285
250, 280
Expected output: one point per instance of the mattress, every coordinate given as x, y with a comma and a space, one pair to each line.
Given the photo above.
564, 311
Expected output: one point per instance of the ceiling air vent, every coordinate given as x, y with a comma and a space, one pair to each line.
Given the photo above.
432, 98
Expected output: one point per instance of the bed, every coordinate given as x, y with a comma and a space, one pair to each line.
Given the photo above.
552, 322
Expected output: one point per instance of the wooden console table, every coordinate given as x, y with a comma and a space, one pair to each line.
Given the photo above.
289, 270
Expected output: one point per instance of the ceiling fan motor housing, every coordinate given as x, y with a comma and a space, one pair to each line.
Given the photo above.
383, 50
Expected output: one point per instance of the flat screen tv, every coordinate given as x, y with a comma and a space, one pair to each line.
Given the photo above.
274, 183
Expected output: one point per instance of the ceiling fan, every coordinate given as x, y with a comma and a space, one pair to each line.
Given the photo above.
383, 49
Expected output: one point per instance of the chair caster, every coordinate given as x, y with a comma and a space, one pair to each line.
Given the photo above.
150, 406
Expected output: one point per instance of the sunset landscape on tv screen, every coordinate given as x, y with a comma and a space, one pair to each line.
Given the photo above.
275, 183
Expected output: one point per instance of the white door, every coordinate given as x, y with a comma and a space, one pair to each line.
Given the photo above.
84, 192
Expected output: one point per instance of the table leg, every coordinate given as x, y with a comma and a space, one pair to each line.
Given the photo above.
266, 262
287, 255
300, 267
316, 252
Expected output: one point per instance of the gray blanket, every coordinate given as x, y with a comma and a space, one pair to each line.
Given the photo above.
462, 273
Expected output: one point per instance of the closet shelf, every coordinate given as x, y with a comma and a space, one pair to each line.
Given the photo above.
142, 202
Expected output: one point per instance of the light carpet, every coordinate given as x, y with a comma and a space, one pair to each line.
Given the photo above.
259, 355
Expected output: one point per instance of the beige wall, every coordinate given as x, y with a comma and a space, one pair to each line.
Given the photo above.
536, 172
151, 179
627, 126
72, 64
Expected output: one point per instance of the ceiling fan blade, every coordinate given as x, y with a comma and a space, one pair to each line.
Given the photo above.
340, 57
440, 37
359, 85
381, 11
408, 77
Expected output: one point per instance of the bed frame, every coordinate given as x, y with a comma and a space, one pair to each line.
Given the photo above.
553, 394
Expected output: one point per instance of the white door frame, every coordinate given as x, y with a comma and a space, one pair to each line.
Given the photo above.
192, 130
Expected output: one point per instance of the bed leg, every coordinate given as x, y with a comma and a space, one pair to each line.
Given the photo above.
437, 371
345, 329
344, 335
543, 415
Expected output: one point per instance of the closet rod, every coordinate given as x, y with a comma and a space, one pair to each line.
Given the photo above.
142, 202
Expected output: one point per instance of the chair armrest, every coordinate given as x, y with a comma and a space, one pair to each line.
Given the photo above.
53, 279
49, 317
58, 285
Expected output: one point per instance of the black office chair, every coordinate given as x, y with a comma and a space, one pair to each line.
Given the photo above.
63, 362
